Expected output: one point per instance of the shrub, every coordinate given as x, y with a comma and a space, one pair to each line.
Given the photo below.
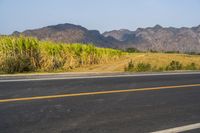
191, 66
132, 50
130, 67
174, 65
142, 67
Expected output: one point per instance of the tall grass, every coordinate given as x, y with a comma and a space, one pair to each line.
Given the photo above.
19, 54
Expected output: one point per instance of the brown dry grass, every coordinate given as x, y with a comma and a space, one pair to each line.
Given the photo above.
155, 59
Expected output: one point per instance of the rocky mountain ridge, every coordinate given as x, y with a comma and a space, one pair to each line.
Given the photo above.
155, 38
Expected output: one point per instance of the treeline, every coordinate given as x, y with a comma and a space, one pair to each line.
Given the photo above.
26, 54
173, 65
135, 50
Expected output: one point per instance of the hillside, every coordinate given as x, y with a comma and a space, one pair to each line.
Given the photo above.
155, 38
158, 38
70, 33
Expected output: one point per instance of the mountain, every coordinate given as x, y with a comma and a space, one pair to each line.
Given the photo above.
70, 33
120, 35
156, 38
159, 38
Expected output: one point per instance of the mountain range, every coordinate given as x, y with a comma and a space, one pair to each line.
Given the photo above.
155, 38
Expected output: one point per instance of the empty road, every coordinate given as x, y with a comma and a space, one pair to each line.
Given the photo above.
100, 103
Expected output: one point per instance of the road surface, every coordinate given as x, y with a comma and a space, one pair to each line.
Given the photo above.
105, 103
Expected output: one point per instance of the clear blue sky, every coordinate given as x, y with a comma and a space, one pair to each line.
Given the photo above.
97, 14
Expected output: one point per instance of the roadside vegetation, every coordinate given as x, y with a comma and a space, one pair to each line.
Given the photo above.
173, 65
26, 54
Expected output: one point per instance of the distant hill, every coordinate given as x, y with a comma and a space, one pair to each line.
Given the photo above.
121, 35
156, 38
159, 38
70, 33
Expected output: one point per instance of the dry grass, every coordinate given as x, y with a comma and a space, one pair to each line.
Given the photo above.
155, 59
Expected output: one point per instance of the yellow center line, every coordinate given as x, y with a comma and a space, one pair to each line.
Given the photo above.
94, 93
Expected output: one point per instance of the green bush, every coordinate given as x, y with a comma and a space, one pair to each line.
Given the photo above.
191, 66
143, 67
132, 50
140, 67
174, 65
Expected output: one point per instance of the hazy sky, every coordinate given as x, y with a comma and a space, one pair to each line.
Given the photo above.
97, 14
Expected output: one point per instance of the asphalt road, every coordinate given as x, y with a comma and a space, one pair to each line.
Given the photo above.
129, 104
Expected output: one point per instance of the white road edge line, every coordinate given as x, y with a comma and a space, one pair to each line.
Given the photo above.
180, 129
100, 76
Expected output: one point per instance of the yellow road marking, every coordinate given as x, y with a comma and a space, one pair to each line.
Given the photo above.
94, 93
